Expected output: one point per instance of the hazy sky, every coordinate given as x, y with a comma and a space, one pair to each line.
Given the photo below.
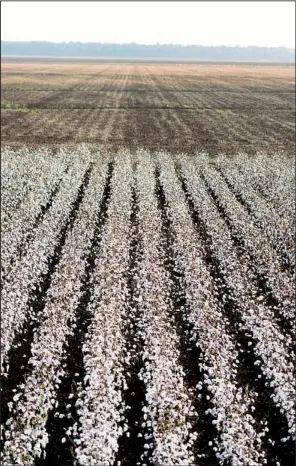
203, 23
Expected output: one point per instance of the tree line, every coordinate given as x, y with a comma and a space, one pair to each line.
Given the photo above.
133, 50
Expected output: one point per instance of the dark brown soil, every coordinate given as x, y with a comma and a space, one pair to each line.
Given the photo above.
175, 107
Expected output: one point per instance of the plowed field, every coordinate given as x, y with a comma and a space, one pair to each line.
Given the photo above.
176, 107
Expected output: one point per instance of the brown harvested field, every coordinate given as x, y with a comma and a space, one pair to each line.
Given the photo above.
178, 107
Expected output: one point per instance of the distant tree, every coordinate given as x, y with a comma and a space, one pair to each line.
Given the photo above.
132, 50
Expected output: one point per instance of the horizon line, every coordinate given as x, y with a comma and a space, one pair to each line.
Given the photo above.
150, 45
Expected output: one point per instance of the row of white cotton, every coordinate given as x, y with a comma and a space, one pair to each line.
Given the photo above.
275, 225
101, 406
20, 173
25, 433
26, 273
239, 443
169, 402
264, 260
274, 350
273, 176
17, 227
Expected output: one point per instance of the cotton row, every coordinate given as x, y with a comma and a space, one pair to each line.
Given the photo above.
100, 404
26, 435
270, 345
238, 442
168, 408
26, 275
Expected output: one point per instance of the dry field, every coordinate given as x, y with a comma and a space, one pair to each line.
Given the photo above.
147, 309
176, 107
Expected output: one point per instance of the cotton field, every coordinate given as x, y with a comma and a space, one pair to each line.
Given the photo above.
147, 309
